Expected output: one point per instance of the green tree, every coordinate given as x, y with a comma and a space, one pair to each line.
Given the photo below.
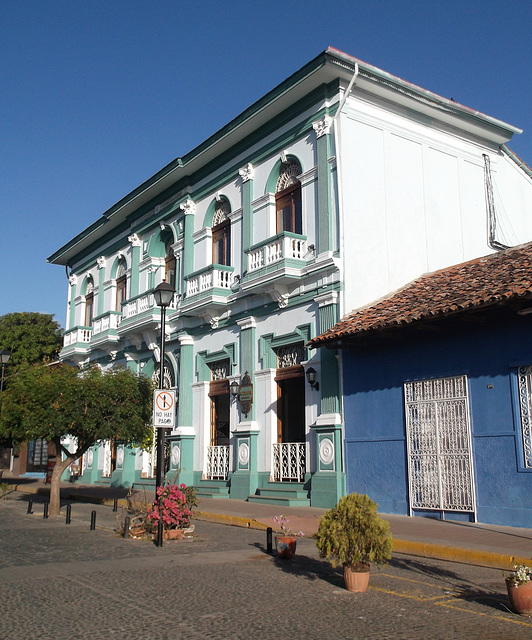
51, 402
31, 337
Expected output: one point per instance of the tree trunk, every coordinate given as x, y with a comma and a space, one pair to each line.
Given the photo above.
55, 484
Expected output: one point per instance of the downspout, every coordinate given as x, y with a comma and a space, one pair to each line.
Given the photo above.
490, 202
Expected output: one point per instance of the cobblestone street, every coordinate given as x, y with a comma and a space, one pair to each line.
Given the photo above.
67, 582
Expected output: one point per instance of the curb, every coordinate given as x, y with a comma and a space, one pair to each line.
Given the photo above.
458, 554
235, 521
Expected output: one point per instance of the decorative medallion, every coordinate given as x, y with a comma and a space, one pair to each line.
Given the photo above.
120, 457
243, 454
90, 458
176, 455
326, 451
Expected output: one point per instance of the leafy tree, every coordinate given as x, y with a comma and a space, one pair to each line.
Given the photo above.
51, 402
31, 337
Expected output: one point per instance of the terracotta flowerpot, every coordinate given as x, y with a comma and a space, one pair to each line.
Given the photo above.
173, 534
357, 578
520, 596
286, 546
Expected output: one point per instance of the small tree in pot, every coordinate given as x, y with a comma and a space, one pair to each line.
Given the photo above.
354, 535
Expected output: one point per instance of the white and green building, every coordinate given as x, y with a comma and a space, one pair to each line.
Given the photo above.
341, 184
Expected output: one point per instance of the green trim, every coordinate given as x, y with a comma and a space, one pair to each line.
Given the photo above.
268, 343
204, 358
325, 219
247, 220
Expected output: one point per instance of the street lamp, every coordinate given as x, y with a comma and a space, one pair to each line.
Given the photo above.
163, 294
5, 354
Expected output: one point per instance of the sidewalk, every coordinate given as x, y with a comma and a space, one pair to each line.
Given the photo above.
478, 544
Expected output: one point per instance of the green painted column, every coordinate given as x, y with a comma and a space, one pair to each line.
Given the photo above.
245, 479
325, 221
247, 174
248, 356
136, 244
329, 378
183, 445
189, 209
71, 320
328, 481
101, 262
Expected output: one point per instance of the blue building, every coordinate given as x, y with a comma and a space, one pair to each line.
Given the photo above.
437, 393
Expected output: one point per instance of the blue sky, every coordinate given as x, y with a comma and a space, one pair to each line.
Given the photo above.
97, 96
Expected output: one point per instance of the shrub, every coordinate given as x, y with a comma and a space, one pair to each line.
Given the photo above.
353, 534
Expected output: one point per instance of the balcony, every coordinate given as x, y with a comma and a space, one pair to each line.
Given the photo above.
208, 288
76, 342
280, 259
104, 328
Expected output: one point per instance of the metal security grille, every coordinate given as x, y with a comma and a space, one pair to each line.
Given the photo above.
525, 402
438, 432
289, 461
217, 462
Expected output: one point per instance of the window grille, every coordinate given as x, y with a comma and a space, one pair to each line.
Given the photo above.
440, 463
219, 369
525, 402
290, 355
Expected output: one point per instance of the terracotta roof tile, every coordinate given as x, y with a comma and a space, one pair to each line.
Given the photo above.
489, 280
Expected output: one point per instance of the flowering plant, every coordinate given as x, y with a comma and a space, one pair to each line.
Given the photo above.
521, 575
172, 505
282, 521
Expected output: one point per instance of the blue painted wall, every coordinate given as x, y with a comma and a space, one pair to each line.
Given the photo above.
488, 353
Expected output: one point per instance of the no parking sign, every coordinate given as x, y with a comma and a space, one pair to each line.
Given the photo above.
164, 408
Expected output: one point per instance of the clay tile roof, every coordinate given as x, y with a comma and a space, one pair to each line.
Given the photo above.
490, 280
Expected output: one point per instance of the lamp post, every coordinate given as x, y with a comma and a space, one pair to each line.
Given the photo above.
163, 294
5, 354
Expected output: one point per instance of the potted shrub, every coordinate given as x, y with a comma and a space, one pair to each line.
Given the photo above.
354, 535
519, 586
286, 540
174, 506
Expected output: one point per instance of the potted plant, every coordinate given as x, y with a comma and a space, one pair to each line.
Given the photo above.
519, 586
286, 540
354, 535
174, 506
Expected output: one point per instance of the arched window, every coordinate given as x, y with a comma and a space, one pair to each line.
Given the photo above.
288, 198
89, 302
121, 283
221, 234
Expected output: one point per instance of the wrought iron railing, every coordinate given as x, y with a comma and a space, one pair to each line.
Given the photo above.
289, 461
217, 463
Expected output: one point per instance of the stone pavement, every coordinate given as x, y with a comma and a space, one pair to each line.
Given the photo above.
60, 582
476, 544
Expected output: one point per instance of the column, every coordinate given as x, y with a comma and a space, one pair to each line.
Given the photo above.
247, 174
100, 262
182, 444
328, 481
136, 243
325, 222
245, 479
189, 209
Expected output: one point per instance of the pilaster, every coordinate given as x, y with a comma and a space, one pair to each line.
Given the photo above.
136, 243
247, 174
325, 223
